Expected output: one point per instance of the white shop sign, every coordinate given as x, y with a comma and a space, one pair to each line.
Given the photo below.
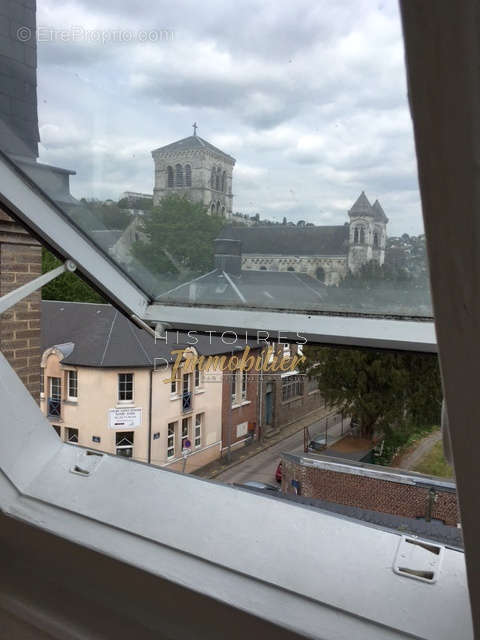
125, 418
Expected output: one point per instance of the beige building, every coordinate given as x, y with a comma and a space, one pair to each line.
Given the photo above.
105, 385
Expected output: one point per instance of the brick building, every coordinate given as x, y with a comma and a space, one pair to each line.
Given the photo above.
239, 406
367, 486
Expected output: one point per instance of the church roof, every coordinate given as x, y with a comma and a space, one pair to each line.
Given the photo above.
285, 240
379, 212
190, 144
361, 207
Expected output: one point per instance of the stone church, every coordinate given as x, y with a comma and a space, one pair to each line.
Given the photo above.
195, 168
322, 252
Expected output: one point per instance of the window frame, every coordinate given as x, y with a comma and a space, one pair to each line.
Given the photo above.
173, 435
120, 391
72, 397
198, 430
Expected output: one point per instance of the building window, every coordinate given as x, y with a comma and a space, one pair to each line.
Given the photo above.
212, 178
124, 444
197, 376
185, 432
224, 180
125, 387
198, 429
72, 435
173, 387
375, 240
362, 235
72, 384
54, 398
263, 268
178, 175
290, 269
223, 211
355, 235
212, 208
244, 384
292, 387
218, 207
171, 439
169, 177
234, 387
217, 180
188, 175
58, 430
186, 383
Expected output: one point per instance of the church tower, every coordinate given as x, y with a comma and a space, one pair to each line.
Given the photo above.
194, 168
367, 233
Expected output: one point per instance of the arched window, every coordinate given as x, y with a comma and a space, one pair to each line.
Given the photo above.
217, 180
362, 235
188, 175
169, 177
224, 180
212, 208
223, 211
263, 268
212, 178
320, 273
178, 175
375, 239
290, 269
355, 236
218, 207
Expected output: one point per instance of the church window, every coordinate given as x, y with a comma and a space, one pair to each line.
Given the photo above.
224, 179
169, 177
218, 207
320, 272
213, 208
290, 269
223, 211
355, 235
262, 268
375, 240
362, 235
188, 175
178, 175
212, 178
217, 180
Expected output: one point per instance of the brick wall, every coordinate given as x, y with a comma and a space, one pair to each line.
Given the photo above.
244, 413
357, 490
20, 262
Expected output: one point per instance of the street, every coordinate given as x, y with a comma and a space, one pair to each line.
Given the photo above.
262, 466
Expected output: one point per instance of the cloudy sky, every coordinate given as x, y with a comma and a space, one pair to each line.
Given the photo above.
309, 97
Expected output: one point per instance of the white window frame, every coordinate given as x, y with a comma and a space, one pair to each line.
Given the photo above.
70, 396
184, 436
244, 385
124, 447
199, 418
119, 391
171, 439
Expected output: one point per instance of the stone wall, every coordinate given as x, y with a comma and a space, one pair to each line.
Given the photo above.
329, 270
377, 489
20, 262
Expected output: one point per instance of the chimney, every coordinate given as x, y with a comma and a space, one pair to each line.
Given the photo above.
228, 255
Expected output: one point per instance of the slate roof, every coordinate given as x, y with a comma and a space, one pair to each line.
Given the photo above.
97, 335
271, 289
379, 212
361, 206
191, 143
285, 240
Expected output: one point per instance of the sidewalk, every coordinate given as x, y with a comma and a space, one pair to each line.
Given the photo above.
243, 452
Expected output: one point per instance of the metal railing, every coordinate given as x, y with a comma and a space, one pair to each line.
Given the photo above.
187, 401
54, 407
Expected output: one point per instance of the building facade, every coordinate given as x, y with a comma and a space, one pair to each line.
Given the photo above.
325, 253
194, 168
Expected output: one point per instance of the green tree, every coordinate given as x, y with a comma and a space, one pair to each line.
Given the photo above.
108, 216
383, 391
179, 237
68, 287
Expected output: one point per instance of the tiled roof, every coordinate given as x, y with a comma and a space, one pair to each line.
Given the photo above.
379, 212
361, 207
286, 240
191, 143
97, 335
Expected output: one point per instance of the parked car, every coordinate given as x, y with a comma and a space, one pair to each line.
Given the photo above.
254, 484
318, 444
278, 472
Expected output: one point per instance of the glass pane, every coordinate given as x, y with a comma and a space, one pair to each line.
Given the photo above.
262, 162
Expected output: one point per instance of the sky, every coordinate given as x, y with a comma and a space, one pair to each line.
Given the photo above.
309, 96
